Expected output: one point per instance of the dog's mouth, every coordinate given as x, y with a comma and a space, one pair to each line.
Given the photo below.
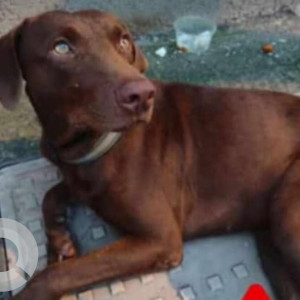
82, 142
89, 136
77, 144
78, 138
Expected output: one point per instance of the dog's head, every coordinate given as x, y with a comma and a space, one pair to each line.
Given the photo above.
83, 75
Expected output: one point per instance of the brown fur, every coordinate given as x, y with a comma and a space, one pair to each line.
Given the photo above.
210, 161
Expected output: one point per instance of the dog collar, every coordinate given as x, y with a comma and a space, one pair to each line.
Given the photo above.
104, 144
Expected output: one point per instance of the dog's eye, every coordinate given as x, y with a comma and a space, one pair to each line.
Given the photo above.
62, 48
124, 42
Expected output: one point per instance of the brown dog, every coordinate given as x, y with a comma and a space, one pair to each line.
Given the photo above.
199, 161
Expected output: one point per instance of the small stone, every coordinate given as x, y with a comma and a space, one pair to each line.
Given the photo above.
268, 48
161, 52
183, 49
283, 41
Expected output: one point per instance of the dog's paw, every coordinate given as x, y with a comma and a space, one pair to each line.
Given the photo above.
60, 246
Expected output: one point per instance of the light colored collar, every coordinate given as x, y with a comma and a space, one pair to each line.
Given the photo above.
104, 144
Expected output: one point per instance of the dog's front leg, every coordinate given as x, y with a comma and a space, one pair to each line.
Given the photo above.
130, 255
153, 242
54, 207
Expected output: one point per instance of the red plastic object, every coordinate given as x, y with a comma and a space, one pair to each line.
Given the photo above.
256, 292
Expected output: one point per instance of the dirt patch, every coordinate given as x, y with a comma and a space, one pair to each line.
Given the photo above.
19, 123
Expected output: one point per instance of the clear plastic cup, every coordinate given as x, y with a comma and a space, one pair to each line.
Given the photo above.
194, 33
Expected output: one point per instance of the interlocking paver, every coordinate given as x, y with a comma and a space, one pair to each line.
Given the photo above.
205, 274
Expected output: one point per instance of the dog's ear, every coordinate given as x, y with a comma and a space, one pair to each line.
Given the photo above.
140, 61
10, 73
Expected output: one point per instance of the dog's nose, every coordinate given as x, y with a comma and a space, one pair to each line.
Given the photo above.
137, 97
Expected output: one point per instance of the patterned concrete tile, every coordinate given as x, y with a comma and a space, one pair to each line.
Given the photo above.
213, 268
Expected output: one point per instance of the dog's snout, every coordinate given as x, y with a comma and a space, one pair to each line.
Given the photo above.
137, 97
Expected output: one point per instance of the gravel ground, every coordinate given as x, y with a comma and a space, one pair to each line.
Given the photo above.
235, 59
